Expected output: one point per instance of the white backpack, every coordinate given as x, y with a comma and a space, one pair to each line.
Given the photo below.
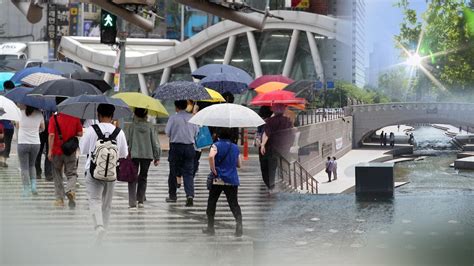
104, 158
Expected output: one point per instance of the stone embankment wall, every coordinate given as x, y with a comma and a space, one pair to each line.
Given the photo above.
318, 141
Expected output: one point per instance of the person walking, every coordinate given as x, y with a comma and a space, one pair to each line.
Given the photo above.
224, 159
385, 139
381, 138
61, 128
144, 147
329, 168
392, 139
181, 154
100, 192
334, 168
271, 141
48, 172
8, 131
30, 125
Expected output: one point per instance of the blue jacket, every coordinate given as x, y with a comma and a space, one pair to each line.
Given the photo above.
226, 165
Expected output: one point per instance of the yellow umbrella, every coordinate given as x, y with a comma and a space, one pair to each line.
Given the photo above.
270, 86
139, 100
216, 97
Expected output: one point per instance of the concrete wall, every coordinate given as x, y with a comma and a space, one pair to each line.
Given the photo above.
316, 142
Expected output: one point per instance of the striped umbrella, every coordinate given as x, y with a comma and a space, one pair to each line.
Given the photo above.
181, 90
36, 79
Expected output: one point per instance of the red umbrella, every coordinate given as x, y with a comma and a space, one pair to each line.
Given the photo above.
269, 78
279, 97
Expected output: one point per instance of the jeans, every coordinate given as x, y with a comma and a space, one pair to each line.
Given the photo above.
135, 194
100, 195
268, 166
232, 199
69, 164
27, 156
181, 160
47, 164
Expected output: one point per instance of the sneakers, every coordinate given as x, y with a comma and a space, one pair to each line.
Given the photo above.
141, 206
238, 229
171, 200
59, 203
189, 202
71, 196
210, 231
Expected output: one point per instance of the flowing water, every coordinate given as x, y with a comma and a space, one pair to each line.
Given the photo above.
430, 220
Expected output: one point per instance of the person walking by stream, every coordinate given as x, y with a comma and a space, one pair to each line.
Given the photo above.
334, 168
392, 139
385, 139
381, 138
329, 168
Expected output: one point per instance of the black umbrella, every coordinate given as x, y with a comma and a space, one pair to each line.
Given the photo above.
181, 90
303, 88
93, 79
64, 67
65, 88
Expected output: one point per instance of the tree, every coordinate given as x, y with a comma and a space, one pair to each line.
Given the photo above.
446, 45
395, 85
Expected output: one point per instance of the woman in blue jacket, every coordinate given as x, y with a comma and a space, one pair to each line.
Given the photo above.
224, 159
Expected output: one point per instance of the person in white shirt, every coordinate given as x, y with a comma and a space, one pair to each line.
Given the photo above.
30, 125
334, 168
100, 192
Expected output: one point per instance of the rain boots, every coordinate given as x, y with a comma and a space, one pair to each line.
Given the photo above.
33, 186
209, 230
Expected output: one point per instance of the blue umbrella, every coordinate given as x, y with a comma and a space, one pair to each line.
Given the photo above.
4, 76
212, 69
19, 95
85, 106
223, 82
181, 90
30, 70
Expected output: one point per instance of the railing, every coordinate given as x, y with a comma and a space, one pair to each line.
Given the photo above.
313, 116
296, 176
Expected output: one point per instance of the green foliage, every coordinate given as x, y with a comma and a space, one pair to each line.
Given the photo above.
394, 84
447, 45
346, 93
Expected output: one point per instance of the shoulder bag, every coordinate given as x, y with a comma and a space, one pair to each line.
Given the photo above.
71, 145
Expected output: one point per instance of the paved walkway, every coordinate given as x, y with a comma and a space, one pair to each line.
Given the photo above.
159, 222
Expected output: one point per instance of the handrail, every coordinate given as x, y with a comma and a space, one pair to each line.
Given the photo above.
314, 116
296, 176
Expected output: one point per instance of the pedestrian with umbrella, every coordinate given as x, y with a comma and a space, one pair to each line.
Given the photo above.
8, 130
143, 142
181, 134
276, 138
224, 158
103, 147
19, 95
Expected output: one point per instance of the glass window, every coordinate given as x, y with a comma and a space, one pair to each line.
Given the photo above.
303, 67
273, 49
86, 7
241, 57
182, 72
213, 56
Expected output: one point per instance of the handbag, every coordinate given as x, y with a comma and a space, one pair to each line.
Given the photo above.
71, 145
128, 171
203, 139
212, 176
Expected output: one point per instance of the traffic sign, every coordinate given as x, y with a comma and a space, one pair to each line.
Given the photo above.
108, 27
318, 85
330, 84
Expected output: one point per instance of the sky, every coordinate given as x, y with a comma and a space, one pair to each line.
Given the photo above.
383, 22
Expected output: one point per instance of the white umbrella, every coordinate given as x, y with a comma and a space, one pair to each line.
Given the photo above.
9, 110
227, 115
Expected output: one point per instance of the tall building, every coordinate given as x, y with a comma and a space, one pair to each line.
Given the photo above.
348, 53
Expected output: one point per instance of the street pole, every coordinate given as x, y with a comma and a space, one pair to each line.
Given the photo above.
182, 22
122, 43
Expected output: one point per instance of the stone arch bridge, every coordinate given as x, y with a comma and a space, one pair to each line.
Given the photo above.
369, 118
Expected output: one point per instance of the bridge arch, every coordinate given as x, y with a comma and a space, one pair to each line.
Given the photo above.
369, 118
